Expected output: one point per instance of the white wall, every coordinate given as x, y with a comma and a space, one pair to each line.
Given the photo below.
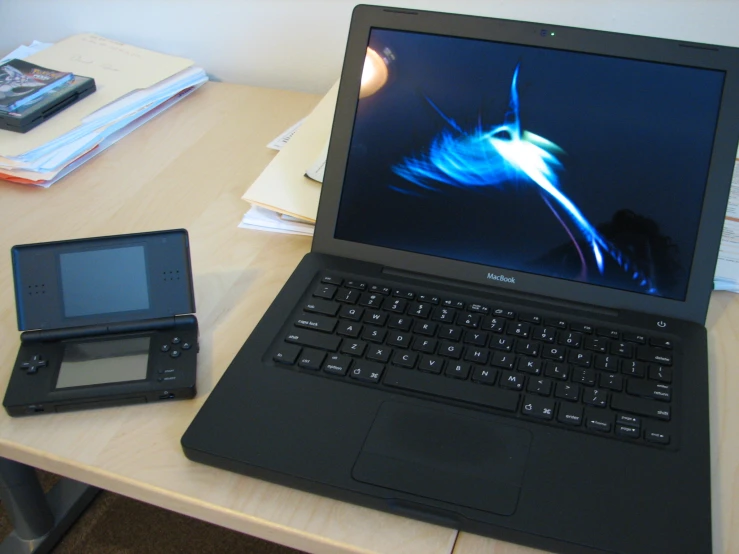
298, 44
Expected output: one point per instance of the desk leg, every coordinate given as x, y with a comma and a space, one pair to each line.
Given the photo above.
38, 520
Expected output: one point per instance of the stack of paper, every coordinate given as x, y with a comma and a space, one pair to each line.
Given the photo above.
287, 191
133, 85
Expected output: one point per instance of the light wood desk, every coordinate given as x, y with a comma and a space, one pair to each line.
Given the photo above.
188, 168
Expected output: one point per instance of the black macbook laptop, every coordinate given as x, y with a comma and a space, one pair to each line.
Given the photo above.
500, 326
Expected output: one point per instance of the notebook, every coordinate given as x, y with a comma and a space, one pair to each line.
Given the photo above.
501, 324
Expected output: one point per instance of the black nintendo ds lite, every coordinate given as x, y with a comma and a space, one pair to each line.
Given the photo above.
106, 321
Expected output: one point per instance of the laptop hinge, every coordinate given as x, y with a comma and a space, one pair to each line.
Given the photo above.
543, 300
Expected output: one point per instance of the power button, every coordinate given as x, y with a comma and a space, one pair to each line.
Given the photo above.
661, 324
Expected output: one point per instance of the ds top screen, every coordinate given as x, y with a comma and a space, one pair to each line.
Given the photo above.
575, 166
104, 281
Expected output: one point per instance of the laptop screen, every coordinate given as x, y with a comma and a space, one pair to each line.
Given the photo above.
569, 165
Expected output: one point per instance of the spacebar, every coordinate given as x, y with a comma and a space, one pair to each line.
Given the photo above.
448, 387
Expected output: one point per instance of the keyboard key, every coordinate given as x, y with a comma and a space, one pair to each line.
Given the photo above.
570, 414
479, 308
608, 333
567, 392
634, 369
420, 310
463, 391
641, 406
595, 397
450, 349
531, 318
450, 333
494, 324
502, 312
316, 322
635, 337
311, 359
351, 312
353, 347
630, 420
556, 353
379, 353
425, 328
375, 317
540, 408
606, 363
559, 323
431, 364
314, 339
626, 431
400, 322
380, 289
458, 370
582, 359
475, 337
622, 349
359, 285
368, 372
612, 381
530, 365
571, 339
510, 380
648, 389
349, 329
596, 344
457, 304
286, 354
582, 328
599, 421
395, 305
321, 307
540, 386
425, 345
325, 291
660, 373
556, 371
337, 364
348, 296
661, 343
428, 298
402, 293
545, 334
504, 360
657, 437
484, 375
399, 339
520, 330
469, 320
529, 348
405, 359
445, 315
583, 376
477, 355
501, 343
654, 355
371, 299
374, 334
332, 280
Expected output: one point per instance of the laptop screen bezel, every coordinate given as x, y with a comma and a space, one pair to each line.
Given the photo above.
700, 280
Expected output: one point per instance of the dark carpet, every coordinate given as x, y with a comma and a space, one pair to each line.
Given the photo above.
114, 524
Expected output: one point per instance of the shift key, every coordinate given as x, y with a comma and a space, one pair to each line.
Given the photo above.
314, 339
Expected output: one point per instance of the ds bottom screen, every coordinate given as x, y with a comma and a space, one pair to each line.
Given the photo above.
104, 361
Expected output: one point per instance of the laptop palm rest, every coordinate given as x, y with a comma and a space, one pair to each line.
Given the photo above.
445, 456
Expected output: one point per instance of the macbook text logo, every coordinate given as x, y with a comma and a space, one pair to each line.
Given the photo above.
502, 278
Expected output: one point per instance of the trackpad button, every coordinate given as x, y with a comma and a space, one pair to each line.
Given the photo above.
445, 456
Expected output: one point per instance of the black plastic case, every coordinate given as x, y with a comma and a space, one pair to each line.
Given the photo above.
103, 295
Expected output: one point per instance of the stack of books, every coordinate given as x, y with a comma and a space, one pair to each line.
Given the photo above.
133, 86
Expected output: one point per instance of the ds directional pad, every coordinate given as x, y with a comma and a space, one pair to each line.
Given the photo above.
32, 366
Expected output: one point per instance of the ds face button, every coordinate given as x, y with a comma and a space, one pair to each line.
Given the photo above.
175, 354
165, 348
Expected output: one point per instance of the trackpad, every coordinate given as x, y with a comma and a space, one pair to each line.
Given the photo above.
445, 456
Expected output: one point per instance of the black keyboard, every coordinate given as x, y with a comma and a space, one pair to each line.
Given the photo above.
576, 375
